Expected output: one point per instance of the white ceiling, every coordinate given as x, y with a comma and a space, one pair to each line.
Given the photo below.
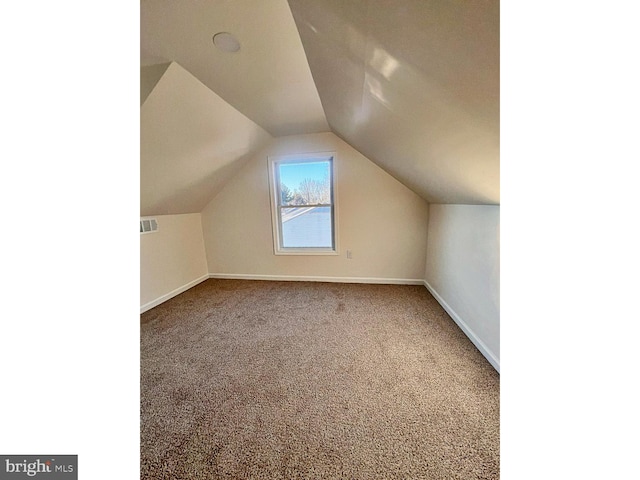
268, 80
191, 143
411, 84
414, 86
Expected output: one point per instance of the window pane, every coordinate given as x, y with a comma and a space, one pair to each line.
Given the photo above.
306, 227
306, 183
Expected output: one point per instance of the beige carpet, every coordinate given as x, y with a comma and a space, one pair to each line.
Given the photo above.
280, 380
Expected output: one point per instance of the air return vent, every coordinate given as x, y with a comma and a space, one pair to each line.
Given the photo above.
148, 225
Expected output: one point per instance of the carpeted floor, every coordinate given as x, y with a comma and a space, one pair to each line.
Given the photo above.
283, 380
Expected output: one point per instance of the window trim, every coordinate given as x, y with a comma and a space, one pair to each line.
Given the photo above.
274, 191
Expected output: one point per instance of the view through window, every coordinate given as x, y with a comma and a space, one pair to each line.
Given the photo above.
304, 204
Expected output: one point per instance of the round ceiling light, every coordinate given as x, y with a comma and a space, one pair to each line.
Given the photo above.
226, 42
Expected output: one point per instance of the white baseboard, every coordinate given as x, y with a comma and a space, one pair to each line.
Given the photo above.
296, 278
480, 345
173, 293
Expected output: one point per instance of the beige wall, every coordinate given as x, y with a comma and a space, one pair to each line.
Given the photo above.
381, 221
171, 259
463, 270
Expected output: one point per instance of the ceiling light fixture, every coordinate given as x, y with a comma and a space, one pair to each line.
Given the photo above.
226, 42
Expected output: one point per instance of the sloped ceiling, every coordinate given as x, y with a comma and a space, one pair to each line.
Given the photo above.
268, 80
149, 77
191, 143
412, 84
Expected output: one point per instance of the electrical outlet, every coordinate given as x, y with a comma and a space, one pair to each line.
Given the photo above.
349, 254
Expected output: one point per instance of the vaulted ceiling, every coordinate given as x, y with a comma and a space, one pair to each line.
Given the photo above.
268, 80
412, 84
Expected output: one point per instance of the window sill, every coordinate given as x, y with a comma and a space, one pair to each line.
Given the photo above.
306, 251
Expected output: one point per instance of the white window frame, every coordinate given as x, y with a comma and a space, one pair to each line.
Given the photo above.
274, 189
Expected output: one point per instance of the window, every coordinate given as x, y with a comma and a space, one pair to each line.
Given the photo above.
303, 204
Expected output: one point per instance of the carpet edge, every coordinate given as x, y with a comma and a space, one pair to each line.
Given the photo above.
480, 345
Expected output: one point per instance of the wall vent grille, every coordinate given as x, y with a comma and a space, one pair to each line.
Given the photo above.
148, 225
